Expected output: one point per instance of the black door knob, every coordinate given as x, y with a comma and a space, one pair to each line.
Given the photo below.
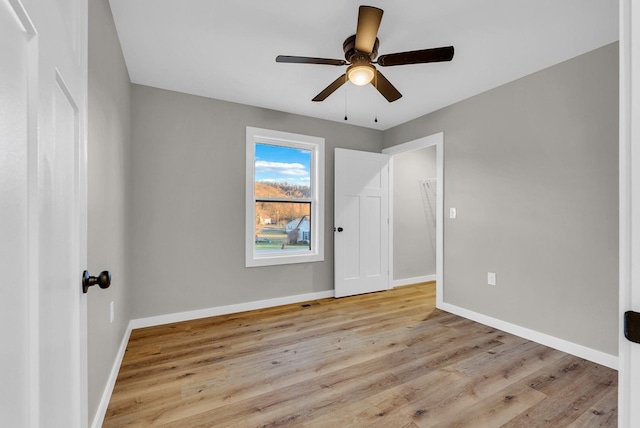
340, 229
103, 280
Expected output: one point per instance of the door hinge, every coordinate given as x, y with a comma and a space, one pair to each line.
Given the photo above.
632, 326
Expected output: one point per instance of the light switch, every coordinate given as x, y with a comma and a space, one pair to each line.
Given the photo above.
452, 213
491, 278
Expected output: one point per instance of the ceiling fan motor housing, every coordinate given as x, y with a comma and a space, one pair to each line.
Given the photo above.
354, 56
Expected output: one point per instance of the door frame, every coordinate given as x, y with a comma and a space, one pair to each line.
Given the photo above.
436, 140
629, 236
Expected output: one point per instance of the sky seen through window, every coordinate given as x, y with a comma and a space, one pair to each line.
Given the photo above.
278, 164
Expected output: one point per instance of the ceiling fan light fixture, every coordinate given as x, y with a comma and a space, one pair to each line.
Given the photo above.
361, 74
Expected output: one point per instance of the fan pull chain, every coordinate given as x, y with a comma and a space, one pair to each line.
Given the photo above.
375, 79
345, 99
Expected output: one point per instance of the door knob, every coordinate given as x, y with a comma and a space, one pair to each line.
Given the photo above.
103, 280
632, 326
340, 229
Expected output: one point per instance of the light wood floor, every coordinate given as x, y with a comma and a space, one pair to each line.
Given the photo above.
386, 359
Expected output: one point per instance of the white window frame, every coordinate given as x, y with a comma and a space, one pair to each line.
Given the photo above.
286, 139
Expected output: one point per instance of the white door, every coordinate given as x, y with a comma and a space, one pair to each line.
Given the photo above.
361, 220
43, 93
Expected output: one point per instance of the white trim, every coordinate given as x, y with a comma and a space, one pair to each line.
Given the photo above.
436, 140
228, 309
390, 279
33, 221
420, 143
629, 195
101, 412
414, 280
624, 221
597, 357
317, 147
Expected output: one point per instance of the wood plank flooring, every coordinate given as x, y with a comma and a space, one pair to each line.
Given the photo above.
387, 359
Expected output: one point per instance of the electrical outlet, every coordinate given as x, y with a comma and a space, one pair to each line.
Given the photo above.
491, 278
453, 213
112, 312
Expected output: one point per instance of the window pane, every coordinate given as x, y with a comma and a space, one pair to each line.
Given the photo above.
282, 226
284, 215
282, 172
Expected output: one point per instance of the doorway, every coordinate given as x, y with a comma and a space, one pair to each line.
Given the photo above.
430, 206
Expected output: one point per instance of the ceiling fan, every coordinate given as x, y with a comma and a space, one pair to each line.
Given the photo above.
360, 51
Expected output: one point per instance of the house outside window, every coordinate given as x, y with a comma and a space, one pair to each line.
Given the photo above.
285, 194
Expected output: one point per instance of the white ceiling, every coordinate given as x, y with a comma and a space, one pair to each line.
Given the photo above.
226, 49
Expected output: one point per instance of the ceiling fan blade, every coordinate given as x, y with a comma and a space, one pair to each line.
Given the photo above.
417, 57
331, 88
309, 60
368, 23
386, 88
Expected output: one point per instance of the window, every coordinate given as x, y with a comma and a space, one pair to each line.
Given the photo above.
285, 190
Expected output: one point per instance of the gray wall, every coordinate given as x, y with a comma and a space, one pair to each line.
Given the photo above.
188, 181
109, 134
413, 234
532, 168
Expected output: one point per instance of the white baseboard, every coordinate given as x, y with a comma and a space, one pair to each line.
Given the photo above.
98, 419
593, 355
415, 280
228, 309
